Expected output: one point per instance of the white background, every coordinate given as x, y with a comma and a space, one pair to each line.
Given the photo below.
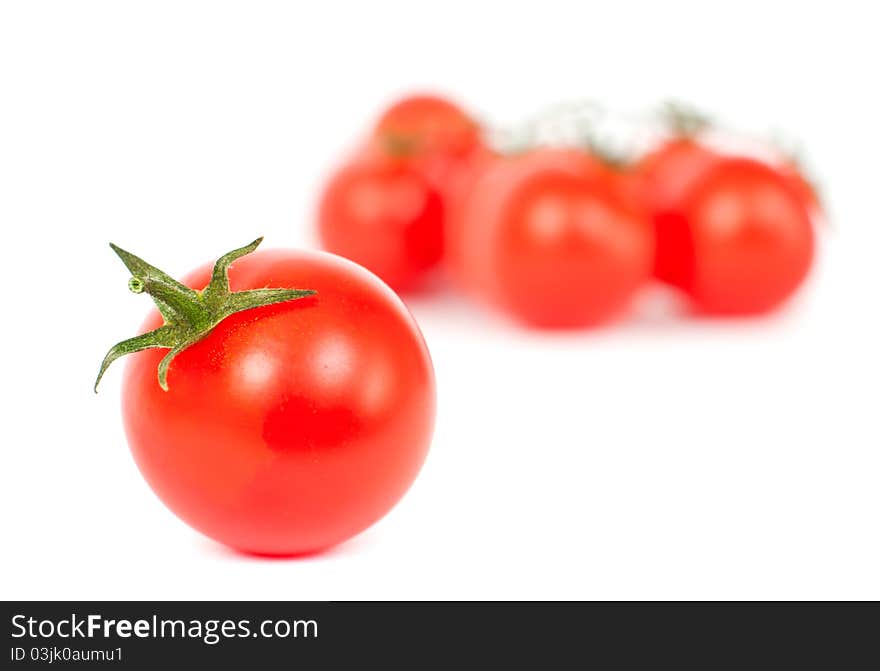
658, 458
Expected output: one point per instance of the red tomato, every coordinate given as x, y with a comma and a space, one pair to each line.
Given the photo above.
745, 241
387, 208
550, 238
666, 173
289, 427
664, 177
430, 124
482, 197
386, 216
436, 136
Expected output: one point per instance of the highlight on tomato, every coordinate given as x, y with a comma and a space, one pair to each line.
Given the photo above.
280, 401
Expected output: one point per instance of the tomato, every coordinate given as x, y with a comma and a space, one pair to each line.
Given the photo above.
745, 239
668, 171
289, 427
550, 238
567, 252
434, 134
387, 208
385, 215
481, 199
664, 177
430, 124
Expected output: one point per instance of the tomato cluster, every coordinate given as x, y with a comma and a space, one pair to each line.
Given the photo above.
561, 236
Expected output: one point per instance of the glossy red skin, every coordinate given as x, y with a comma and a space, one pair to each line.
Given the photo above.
549, 238
748, 241
291, 427
384, 214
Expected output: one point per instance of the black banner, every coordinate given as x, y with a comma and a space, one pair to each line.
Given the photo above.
154, 634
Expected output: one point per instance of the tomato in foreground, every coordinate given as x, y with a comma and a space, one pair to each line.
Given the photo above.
288, 427
745, 239
550, 238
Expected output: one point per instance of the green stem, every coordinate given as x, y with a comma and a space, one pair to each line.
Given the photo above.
189, 315
684, 120
399, 145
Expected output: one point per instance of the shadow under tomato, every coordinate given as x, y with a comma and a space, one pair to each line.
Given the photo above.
656, 308
351, 547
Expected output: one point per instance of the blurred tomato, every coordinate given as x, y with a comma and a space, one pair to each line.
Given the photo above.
480, 198
663, 177
385, 215
386, 209
666, 172
744, 240
440, 140
548, 236
429, 124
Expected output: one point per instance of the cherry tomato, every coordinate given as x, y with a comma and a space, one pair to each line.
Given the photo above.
383, 214
549, 238
290, 427
439, 139
387, 208
744, 241
430, 125
483, 194
664, 177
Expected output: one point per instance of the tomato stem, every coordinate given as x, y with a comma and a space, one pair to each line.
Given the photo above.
683, 119
189, 315
400, 145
